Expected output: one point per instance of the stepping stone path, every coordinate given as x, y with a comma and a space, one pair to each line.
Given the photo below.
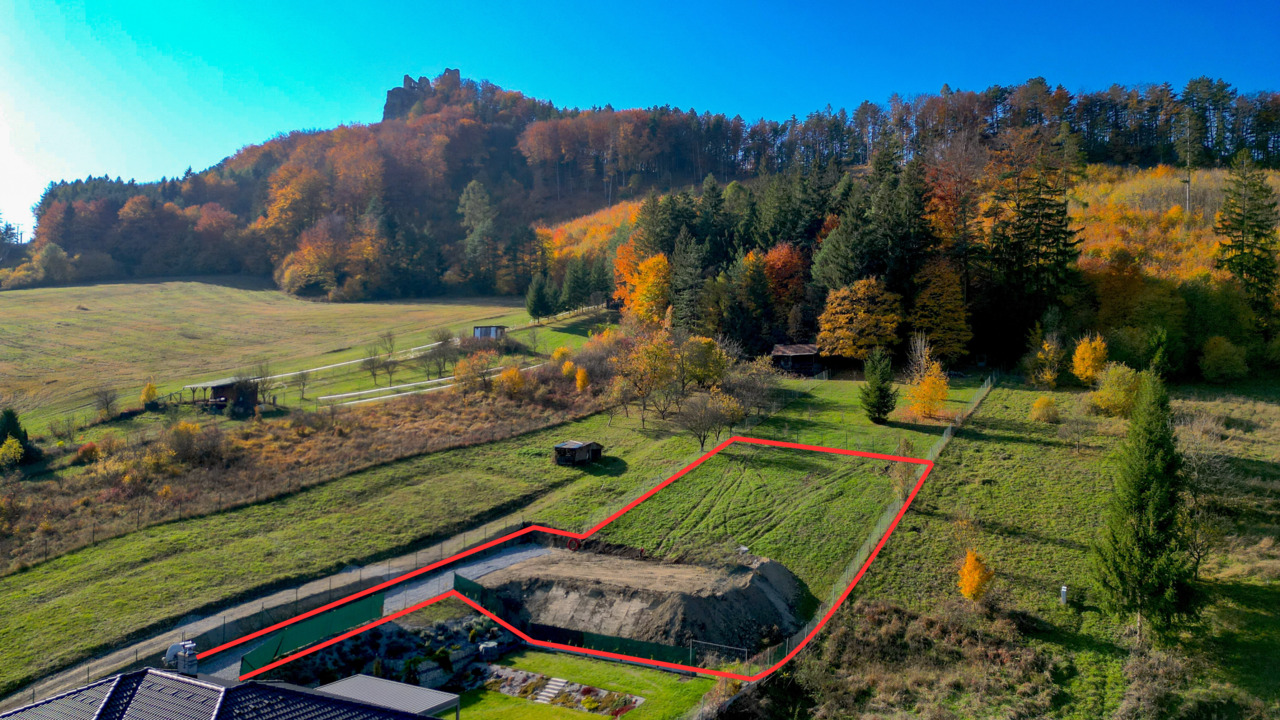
551, 690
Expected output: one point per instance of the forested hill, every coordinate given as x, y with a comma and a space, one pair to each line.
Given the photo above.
440, 196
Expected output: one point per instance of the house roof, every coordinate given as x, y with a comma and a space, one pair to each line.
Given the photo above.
575, 444
802, 349
158, 695
390, 694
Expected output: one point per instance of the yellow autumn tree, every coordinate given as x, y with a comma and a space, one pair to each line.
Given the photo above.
568, 368
511, 382
1089, 358
149, 393
582, 380
652, 294
560, 354
927, 396
975, 576
859, 318
939, 310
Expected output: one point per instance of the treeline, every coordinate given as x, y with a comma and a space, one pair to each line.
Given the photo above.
440, 200
973, 248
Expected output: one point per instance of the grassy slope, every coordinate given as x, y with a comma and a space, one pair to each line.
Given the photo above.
99, 595
1036, 505
810, 511
59, 343
666, 695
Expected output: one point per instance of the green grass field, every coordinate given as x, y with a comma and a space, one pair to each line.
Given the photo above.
1025, 498
96, 597
61, 343
667, 696
808, 510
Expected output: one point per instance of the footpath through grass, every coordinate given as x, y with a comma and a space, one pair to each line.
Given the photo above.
667, 695
1032, 503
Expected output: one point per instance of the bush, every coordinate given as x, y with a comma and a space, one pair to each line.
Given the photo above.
511, 382
87, 453
560, 354
10, 453
1045, 410
1089, 359
568, 369
1222, 361
1117, 386
582, 380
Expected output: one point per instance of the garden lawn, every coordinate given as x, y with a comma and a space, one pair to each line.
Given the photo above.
666, 695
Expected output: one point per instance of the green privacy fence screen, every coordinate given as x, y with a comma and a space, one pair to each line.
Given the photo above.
313, 630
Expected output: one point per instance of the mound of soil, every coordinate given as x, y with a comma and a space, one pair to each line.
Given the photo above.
746, 606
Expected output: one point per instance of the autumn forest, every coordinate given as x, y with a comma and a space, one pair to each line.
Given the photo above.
964, 215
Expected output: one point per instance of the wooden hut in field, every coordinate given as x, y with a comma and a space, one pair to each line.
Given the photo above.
576, 452
797, 359
236, 396
489, 332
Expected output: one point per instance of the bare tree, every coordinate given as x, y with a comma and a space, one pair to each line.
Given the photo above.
300, 380
104, 401
1207, 472
372, 362
919, 358
444, 349
262, 377
387, 341
705, 415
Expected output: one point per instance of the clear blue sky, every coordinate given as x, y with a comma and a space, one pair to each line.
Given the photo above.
141, 89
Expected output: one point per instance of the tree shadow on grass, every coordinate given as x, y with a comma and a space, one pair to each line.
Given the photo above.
1242, 637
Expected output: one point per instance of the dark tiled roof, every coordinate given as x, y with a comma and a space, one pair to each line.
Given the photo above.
155, 695
806, 349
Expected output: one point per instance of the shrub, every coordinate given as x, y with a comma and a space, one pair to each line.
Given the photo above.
10, 453
87, 453
1117, 386
511, 382
975, 576
1222, 361
560, 354
1089, 358
568, 369
1045, 410
582, 380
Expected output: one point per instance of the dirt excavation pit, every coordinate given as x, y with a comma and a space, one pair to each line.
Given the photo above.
745, 606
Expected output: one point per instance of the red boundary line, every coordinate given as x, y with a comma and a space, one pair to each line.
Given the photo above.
928, 467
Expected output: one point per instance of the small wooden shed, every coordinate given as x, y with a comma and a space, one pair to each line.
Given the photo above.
489, 332
576, 452
236, 396
800, 359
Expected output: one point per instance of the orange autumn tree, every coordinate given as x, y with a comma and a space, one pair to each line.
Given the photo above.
975, 576
785, 268
859, 318
652, 294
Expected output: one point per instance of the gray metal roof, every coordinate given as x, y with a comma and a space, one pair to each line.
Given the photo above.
217, 383
157, 695
575, 444
801, 349
389, 694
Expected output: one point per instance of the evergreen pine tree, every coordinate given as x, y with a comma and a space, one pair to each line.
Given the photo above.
686, 280
1141, 564
601, 279
577, 285
536, 299
1248, 224
878, 395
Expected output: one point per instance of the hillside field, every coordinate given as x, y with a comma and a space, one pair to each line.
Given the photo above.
1027, 499
61, 343
99, 595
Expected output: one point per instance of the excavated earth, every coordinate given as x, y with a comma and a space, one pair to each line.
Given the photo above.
742, 606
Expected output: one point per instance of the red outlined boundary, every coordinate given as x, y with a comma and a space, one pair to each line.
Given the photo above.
928, 467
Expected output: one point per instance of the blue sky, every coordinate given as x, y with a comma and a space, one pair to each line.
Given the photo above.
141, 89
